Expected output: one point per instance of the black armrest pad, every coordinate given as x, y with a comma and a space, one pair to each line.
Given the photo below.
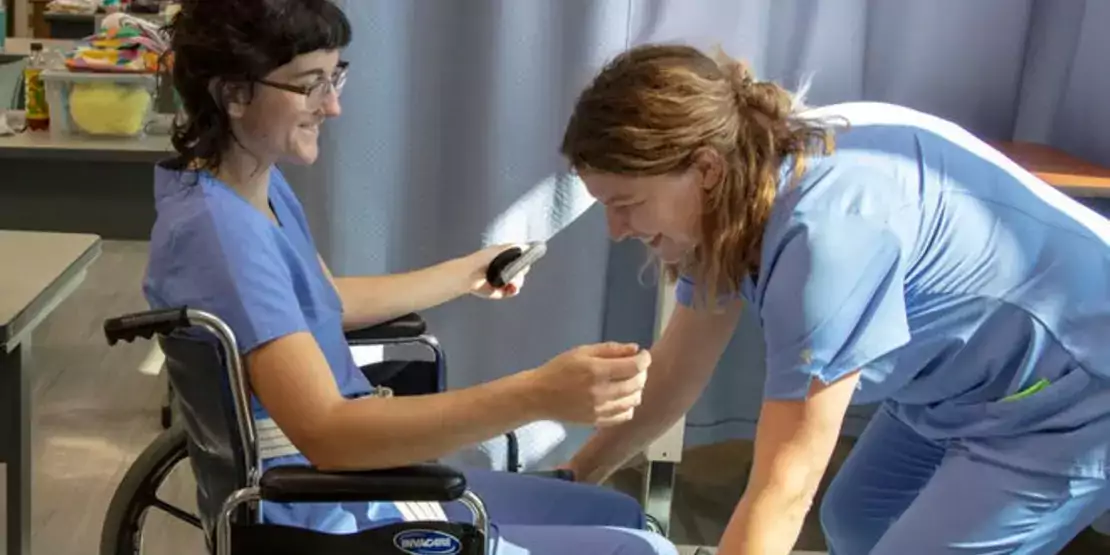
409, 326
555, 474
304, 484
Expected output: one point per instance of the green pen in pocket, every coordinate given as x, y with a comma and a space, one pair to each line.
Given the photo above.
1037, 386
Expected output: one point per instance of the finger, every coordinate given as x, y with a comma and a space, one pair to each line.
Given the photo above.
616, 389
611, 349
615, 420
622, 404
617, 369
519, 279
517, 282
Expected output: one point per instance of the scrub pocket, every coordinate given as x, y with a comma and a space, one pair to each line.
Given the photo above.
1041, 405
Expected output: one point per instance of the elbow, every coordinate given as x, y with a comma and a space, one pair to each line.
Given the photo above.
321, 439
322, 450
792, 495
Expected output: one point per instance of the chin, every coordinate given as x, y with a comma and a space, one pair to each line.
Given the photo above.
303, 157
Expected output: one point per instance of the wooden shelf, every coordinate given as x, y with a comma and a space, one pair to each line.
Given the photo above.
1071, 174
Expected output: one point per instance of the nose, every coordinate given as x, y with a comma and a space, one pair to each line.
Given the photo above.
331, 105
619, 229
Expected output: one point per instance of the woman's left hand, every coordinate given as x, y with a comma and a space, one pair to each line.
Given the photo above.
479, 262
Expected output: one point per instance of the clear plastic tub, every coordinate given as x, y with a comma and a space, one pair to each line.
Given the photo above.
99, 104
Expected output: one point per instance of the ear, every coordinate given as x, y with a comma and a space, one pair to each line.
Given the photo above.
710, 167
230, 96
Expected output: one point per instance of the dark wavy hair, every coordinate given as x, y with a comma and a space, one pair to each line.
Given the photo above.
237, 42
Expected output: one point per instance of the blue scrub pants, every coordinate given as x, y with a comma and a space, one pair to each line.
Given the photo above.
543, 516
899, 493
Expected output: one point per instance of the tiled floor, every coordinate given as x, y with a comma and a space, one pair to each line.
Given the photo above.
94, 412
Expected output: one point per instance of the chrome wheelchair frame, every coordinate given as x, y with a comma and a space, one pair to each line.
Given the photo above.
239, 529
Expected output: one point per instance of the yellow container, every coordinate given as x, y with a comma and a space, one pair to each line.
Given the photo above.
99, 104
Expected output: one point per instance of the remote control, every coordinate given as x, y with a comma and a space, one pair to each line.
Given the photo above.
510, 263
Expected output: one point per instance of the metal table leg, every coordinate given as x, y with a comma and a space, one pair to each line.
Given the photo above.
15, 446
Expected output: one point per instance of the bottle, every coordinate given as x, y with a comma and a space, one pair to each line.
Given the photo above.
38, 112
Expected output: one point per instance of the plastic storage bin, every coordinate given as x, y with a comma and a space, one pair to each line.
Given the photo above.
99, 104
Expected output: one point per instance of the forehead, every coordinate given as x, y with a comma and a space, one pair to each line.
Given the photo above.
608, 187
320, 62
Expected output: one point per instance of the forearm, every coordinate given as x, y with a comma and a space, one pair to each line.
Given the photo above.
371, 433
682, 361
370, 300
766, 522
666, 398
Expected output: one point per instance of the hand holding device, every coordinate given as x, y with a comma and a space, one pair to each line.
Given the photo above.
509, 264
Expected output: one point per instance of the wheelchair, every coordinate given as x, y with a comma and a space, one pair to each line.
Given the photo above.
225, 448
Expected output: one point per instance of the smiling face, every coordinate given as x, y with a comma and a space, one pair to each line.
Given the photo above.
280, 125
664, 211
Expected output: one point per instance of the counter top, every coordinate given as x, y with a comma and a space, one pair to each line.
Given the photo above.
43, 144
1070, 174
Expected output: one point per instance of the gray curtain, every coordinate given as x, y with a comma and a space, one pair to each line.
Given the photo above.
454, 111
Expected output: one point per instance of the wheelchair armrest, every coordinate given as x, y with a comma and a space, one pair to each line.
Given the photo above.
555, 474
304, 484
409, 326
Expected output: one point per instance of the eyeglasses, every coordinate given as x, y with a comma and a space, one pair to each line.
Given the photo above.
317, 92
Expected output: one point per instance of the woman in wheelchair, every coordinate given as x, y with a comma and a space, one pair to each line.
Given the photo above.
257, 79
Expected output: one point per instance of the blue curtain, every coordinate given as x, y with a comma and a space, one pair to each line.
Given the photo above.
454, 111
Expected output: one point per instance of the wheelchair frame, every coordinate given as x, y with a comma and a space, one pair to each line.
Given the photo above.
293, 484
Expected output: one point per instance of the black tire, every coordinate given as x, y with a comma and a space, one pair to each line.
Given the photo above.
123, 522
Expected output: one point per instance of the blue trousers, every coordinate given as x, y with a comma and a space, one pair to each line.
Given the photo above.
544, 516
899, 493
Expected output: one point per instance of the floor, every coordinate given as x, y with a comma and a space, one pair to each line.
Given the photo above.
94, 411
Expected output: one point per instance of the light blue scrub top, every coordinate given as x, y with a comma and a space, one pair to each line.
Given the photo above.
952, 279
211, 250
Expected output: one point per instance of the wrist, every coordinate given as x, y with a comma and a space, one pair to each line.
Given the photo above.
527, 388
460, 272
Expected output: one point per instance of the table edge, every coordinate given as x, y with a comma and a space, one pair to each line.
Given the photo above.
89, 153
18, 324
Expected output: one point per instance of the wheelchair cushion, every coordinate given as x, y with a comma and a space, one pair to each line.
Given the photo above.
304, 484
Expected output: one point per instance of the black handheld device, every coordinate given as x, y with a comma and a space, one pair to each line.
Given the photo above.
507, 265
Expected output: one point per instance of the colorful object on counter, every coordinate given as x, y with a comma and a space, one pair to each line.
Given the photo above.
119, 50
99, 104
109, 108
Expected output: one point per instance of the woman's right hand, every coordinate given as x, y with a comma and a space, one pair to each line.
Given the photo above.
599, 385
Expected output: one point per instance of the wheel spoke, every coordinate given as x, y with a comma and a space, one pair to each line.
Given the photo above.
183, 515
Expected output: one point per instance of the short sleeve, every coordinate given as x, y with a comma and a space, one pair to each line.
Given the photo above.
235, 272
833, 303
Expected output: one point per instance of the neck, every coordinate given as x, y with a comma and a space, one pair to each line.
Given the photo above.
248, 175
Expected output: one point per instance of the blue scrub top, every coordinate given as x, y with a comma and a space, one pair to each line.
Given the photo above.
211, 250
952, 279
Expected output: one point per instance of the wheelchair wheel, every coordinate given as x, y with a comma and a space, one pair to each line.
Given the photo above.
653, 525
122, 531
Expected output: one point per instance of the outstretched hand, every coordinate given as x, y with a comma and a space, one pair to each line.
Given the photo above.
480, 287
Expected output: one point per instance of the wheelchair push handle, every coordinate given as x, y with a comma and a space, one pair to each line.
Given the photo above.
145, 324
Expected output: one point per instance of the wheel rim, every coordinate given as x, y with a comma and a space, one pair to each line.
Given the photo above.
146, 498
